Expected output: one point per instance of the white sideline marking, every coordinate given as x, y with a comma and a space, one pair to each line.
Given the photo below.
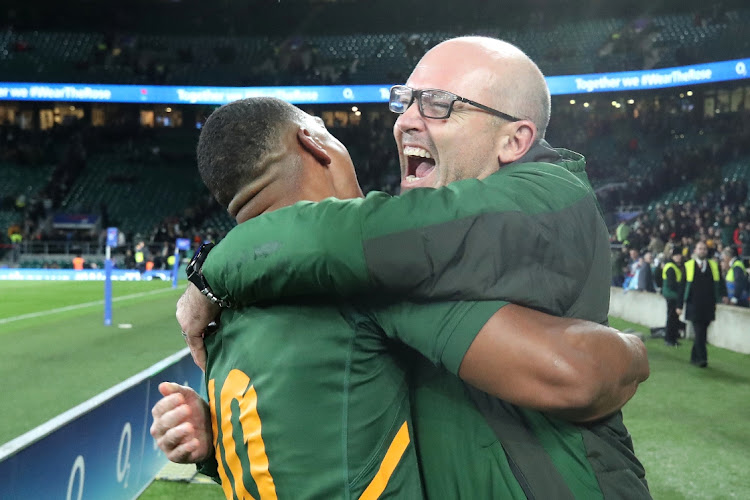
80, 306
11, 447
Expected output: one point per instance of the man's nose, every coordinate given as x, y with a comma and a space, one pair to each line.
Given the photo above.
411, 119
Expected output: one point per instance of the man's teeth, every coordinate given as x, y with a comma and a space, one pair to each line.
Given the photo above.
411, 178
414, 151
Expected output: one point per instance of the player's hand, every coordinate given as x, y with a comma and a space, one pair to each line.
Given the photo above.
194, 313
678, 311
182, 424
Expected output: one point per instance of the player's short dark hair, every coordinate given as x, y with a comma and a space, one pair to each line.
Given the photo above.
236, 138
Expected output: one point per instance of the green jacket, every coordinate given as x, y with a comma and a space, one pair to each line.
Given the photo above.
532, 233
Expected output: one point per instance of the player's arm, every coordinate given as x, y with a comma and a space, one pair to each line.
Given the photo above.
576, 369
428, 243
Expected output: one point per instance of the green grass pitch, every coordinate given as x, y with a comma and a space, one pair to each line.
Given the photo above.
689, 425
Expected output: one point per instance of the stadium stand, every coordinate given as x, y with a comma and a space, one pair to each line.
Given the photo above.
643, 154
586, 46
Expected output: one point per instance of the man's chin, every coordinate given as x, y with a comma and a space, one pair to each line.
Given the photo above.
413, 182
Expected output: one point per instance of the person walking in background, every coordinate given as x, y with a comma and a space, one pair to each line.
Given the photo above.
672, 289
738, 289
702, 292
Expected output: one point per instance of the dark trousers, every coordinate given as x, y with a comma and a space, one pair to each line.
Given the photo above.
699, 354
673, 322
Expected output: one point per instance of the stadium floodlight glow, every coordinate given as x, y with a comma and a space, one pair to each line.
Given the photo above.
355, 108
169, 110
585, 105
614, 103
631, 101
682, 95
572, 101
690, 93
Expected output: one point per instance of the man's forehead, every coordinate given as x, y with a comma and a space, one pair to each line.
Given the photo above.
465, 80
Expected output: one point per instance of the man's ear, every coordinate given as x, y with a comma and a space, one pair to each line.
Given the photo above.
519, 140
312, 146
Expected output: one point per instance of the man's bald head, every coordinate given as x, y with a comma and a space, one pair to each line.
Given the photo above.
514, 82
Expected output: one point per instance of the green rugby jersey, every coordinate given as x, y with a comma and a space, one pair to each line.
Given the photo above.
532, 233
310, 401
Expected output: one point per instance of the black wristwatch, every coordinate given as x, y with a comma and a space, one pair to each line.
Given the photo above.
194, 272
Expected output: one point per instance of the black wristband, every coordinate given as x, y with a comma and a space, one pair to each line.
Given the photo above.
195, 275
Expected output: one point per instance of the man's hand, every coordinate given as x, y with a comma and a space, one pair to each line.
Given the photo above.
194, 313
678, 311
182, 424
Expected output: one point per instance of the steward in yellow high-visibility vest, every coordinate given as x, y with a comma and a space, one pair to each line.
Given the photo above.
690, 277
140, 256
738, 286
673, 291
702, 292
672, 276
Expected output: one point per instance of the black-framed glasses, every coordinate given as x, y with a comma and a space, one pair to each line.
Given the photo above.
434, 103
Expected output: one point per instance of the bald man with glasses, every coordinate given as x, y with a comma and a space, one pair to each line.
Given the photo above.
528, 231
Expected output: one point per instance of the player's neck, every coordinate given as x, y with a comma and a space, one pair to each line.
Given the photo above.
275, 196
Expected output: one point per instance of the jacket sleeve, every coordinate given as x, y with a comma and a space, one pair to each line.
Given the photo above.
417, 244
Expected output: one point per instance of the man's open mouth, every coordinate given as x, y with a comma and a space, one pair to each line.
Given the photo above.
419, 163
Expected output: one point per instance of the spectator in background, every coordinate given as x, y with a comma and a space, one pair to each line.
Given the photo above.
619, 266
140, 256
737, 237
702, 292
672, 289
633, 263
738, 289
645, 274
623, 231
78, 262
727, 230
129, 259
744, 237
655, 244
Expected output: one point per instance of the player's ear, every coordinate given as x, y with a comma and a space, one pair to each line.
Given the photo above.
310, 144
